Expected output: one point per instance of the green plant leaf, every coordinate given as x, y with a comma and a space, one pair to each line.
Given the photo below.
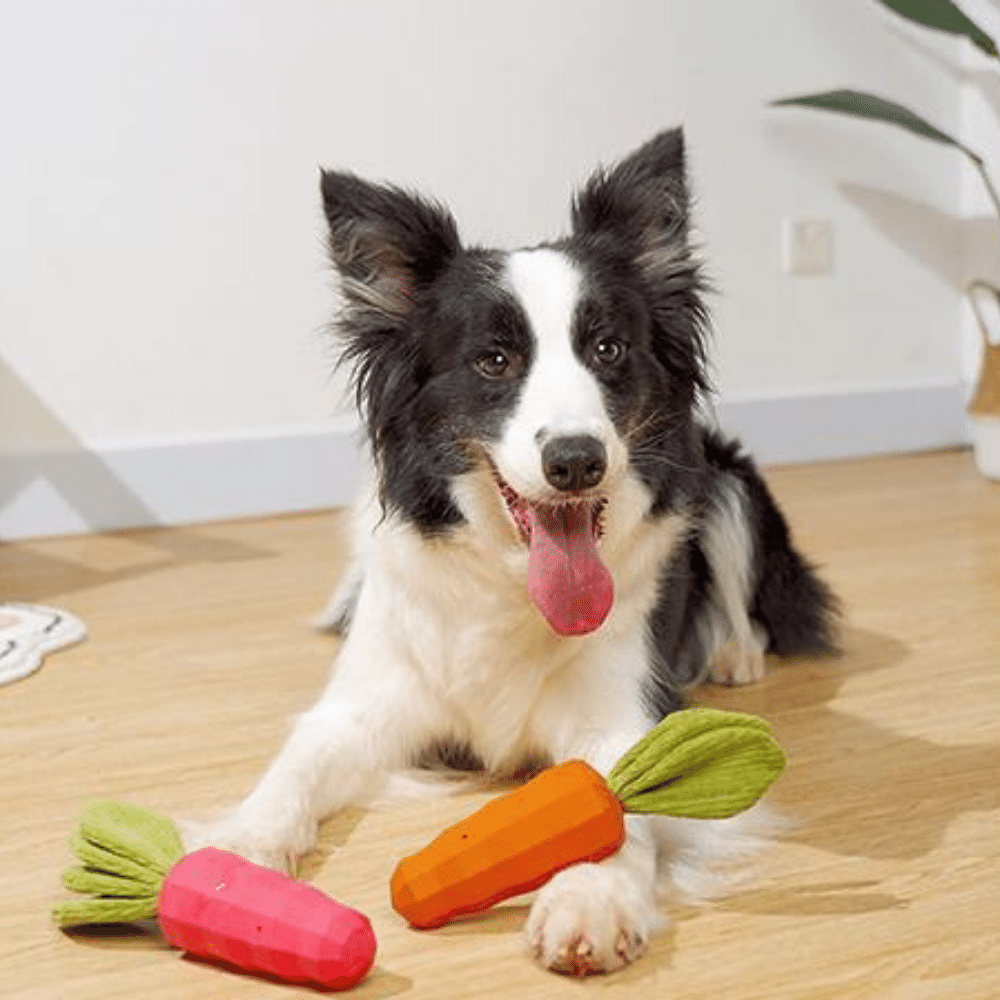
864, 105
943, 15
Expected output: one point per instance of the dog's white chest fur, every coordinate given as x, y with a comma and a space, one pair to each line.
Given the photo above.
457, 612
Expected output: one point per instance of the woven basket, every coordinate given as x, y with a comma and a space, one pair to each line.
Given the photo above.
984, 408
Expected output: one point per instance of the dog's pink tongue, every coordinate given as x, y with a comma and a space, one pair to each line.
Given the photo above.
566, 578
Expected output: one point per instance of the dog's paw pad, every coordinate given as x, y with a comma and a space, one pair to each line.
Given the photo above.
589, 920
630, 946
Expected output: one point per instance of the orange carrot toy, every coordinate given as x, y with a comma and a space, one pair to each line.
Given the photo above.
700, 762
211, 903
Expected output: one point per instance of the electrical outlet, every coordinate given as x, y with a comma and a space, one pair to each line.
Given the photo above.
807, 247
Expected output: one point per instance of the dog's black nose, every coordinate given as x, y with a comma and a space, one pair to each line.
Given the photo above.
574, 463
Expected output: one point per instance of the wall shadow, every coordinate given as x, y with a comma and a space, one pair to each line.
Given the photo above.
956, 250
34, 572
36, 444
988, 84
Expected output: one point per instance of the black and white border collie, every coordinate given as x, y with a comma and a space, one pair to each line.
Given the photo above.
554, 547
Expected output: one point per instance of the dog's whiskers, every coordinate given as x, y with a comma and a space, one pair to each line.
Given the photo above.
656, 422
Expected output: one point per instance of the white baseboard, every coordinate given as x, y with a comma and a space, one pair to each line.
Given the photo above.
849, 424
71, 492
76, 491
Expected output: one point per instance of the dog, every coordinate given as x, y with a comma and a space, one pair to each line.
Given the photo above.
555, 546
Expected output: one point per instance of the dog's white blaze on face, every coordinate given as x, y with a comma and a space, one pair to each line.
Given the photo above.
560, 396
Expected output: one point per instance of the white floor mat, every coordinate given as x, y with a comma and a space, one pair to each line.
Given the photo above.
28, 632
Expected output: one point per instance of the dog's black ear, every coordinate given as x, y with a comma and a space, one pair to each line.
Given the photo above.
641, 204
386, 243
638, 212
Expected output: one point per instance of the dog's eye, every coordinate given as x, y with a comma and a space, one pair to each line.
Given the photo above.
610, 351
496, 364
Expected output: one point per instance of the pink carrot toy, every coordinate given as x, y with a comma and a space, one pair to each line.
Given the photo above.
211, 903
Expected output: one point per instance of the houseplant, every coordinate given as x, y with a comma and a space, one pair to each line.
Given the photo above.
941, 15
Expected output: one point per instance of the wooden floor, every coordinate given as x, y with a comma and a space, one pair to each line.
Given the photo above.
200, 651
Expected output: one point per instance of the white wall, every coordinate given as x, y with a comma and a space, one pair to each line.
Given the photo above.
981, 132
161, 269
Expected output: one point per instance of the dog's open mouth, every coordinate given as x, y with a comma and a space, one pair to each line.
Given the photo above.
567, 580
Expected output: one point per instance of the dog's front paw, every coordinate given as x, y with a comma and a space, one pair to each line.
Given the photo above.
741, 662
270, 848
590, 919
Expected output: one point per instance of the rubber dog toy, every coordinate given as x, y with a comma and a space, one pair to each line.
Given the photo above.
700, 762
211, 903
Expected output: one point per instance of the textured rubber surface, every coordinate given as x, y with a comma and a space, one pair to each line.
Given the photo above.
217, 905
